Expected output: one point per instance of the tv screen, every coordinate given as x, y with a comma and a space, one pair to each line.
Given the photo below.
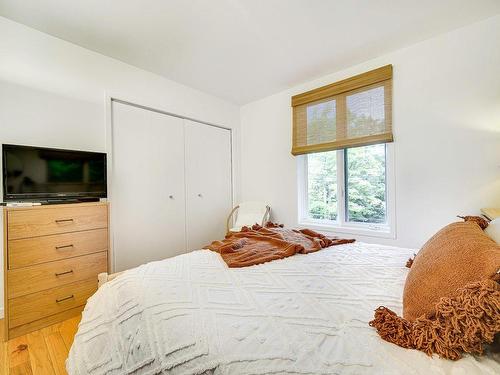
36, 173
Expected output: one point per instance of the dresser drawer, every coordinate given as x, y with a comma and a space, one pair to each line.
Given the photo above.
31, 251
46, 220
33, 279
39, 305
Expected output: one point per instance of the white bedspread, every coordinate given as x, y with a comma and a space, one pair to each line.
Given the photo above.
307, 314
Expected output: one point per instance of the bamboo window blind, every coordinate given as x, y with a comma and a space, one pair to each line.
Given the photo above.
354, 112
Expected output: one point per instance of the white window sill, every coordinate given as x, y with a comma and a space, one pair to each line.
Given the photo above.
367, 230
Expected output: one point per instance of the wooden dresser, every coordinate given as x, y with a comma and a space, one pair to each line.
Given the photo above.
52, 255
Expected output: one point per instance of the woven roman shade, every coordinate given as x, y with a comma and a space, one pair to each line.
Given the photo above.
354, 112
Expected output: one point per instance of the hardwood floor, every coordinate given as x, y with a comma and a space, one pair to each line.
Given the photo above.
39, 352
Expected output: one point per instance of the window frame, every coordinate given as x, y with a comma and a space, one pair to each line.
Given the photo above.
341, 225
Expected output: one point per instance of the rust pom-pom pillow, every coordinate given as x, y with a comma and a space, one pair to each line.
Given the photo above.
457, 255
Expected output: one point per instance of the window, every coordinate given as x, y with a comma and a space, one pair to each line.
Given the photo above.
342, 134
346, 190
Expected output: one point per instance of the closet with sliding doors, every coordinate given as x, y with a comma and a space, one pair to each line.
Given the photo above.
171, 184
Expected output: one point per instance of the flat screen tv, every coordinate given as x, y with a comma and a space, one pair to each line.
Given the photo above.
48, 175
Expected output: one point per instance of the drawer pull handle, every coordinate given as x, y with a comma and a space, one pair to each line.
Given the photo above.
64, 220
63, 273
64, 247
65, 298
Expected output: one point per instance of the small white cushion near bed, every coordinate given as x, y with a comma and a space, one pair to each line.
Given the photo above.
249, 213
306, 314
493, 230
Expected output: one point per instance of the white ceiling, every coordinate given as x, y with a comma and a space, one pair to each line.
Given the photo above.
242, 50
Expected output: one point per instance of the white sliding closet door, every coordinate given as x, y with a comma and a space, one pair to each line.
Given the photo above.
148, 190
208, 183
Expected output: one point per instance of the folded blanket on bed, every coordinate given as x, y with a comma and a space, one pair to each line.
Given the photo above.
259, 244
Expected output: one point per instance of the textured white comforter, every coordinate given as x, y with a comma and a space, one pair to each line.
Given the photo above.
307, 314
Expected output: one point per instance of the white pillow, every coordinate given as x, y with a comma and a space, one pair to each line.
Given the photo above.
493, 230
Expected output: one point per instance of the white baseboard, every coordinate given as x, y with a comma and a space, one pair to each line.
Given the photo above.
1, 313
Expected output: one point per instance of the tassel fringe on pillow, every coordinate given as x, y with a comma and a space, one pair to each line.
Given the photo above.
409, 262
483, 223
461, 324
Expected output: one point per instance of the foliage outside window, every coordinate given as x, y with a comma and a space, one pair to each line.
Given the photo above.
322, 185
362, 191
365, 184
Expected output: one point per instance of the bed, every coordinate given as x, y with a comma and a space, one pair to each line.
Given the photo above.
306, 314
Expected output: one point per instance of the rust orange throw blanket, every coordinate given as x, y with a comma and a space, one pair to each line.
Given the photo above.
259, 244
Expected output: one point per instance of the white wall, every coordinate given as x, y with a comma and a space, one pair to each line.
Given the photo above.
446, 118
52, 93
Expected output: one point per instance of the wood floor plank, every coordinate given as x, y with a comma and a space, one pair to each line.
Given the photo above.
42, 352
4, 365
46, 331
68, 329
22, 369
4, 358
18, 352
58, 352
41, 363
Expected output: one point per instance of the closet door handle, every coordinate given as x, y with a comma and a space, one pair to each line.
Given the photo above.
200, 195
171, 196
63, 273
64, 247
58, 221
65, 298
